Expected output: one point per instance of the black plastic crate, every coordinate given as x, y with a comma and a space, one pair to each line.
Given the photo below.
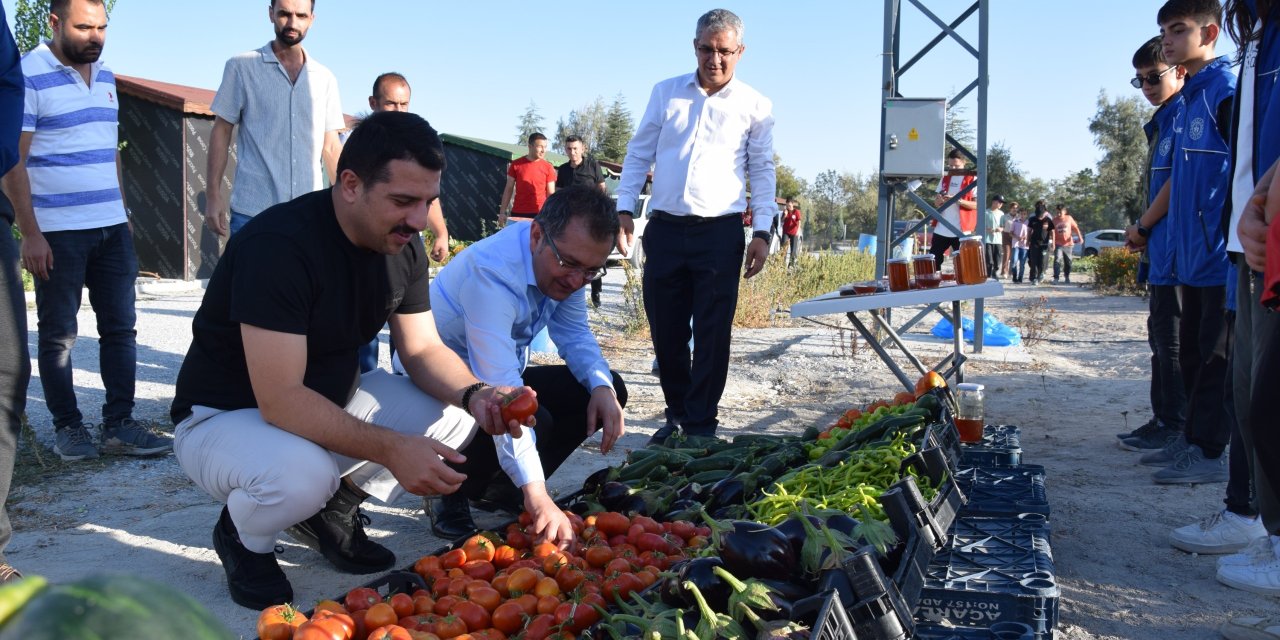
993, 570
997, 631
877, 609
1001, 446
832, 622
1003, 491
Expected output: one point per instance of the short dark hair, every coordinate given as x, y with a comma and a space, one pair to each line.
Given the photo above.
1204, 12
957, 153
1150, 54
569, 139
387, 77
390, 135
536, 136
59, 7
313, 4
1041, 207
596, 210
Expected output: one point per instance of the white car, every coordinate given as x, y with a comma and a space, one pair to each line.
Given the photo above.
641, 218
1096, 241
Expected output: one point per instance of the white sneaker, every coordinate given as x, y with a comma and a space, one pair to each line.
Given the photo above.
1222, 532
1252, 628
1262, 578
1257, 552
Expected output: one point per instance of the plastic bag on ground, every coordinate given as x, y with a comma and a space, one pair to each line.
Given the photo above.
994, 332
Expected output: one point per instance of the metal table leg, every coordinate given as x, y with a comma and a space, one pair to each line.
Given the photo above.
957, 339
880, 351
897, 342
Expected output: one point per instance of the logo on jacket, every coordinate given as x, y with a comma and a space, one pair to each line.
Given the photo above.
1197, 128
1166, 145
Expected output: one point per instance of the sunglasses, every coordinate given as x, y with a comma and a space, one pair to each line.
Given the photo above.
1152, 78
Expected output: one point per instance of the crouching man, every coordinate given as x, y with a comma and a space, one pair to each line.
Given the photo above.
272, 414
489, 302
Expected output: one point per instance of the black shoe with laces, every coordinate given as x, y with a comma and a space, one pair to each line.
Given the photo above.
662, 434
451, 519
255, 580
501, 495
1140, 432
337, 532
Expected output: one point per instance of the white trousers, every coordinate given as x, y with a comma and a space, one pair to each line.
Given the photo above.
271, 479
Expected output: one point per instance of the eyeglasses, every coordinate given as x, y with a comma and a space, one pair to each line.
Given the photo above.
588, 274
707, 52
1152, 78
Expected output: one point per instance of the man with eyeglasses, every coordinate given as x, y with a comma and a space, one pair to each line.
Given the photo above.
705, 134
489, 302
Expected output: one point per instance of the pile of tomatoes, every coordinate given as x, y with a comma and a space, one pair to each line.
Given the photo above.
494, 587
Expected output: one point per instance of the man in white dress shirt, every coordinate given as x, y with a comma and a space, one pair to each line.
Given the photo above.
705, 134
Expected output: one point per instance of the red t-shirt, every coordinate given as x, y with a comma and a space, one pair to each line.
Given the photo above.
531, 178
791, 223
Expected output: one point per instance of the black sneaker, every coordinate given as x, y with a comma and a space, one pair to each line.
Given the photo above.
337, 532
662, 434
1140, 432
451, 519
255, 580
1155, 440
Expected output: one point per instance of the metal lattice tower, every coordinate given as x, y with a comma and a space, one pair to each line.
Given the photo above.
893, 69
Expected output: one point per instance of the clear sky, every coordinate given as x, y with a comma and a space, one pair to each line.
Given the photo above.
474, 66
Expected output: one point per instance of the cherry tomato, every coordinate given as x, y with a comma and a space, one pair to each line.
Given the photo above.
519, 407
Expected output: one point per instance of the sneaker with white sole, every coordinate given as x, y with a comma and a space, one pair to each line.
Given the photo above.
1256, 552
1251, 628
75, 443
134, 438
1222, 532
1261, 578
1167, 454
1191, 467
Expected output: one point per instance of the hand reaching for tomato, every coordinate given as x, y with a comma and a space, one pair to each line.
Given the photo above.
604, 414
504, 410
550, 524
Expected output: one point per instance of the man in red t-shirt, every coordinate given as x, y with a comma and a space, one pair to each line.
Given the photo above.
531, 179
791, 230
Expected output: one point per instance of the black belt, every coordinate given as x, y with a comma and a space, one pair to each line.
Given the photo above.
690, 220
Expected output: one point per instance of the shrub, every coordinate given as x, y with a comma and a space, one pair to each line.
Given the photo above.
1115, 271
779, 286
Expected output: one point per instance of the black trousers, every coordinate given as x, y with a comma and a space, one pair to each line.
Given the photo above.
1205, 341
1168, 387
15, 369
995, 258
1239, 499
939, 244
692, 271
1035, 258
1256, 362
562, 426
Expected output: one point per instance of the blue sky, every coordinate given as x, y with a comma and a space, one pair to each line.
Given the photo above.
475, 66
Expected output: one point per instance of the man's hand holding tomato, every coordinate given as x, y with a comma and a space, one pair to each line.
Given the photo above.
549, 522
604, 414
491, 405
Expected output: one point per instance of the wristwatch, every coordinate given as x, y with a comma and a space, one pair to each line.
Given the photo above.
626, 213
763, 235
1142, 231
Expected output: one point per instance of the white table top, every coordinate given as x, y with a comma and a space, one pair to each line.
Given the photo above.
835, 303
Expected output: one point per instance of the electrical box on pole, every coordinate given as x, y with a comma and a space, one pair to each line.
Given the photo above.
915, 137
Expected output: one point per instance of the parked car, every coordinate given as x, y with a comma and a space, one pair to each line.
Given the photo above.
641, 217
1096, 241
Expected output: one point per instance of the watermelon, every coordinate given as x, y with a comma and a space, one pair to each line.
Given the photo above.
107, 607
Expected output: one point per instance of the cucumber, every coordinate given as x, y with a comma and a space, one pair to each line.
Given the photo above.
709, 477
711, 463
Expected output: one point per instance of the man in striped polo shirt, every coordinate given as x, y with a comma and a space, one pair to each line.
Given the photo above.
287, 108
75, 233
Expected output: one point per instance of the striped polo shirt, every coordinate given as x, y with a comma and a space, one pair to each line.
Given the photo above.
281, 127
74, 127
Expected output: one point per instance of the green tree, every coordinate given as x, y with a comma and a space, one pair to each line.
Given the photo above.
789, 185
1117, 131
827, 198
1004, 176
1080, 193
861, 208
31, 22
530, 123
587, 122
959, 127
618, 129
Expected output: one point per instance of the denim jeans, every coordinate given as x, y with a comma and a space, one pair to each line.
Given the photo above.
238, 220
1062, 261
1018, 263
103, 261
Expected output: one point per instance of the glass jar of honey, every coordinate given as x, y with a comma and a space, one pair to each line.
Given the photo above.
899, 274
924, 264
970, 265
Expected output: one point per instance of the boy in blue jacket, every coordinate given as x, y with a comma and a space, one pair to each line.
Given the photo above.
1187, 250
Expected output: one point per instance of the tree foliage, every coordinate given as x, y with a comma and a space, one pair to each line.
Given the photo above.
789, 185
587, 122
530, 123
618, 129
1117, 131
31, 22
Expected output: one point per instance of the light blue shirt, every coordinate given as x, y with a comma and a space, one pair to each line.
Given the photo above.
488, 308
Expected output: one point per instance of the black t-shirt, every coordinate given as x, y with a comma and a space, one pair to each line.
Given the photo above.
1040, 231
292, 269
586, 174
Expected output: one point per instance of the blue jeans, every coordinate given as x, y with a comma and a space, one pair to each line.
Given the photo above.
103, 261
1018, 263
238, 220
368, 357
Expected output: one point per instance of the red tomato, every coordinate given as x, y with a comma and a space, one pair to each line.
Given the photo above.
380, 615
616, 566
453, 558
519, 407
427, 565
575, 616
598, 555
504, 555
402, 604
479, 569
362, 598
611, 523
390, 632
569, 577
330, 618
444, 606
539, 627
487, 597
548, 604
478, 547
472, 615
278, 622
508, 617
320, 630
424, 604
523, 580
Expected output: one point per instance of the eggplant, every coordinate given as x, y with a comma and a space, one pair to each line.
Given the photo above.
844, 524
688, 492
633, 504
788, 590
598, 479
701, 572
756, 550
795, 532
612, 494
729, 491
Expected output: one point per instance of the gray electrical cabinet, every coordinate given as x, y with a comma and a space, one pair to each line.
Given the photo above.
915, 134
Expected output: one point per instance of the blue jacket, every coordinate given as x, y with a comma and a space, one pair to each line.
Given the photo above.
1266, 99
1186, 247
1159, 130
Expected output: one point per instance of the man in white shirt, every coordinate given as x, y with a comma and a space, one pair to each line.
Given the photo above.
705, 134
287, 108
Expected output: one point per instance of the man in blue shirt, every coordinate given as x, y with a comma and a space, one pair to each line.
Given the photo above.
489, 302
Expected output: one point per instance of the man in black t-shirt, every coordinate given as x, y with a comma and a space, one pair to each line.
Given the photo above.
272, 414
583, 171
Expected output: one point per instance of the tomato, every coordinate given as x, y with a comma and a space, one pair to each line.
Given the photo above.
621, 587
539, 627
599, 555
611, 523
634, 532
518, 407
504, 555
424, 604
593, 600
278, 622
362, 598
616, 566
552, 563
697, 542
523, 580
330, 618
544, 549
422, 635
458, 586
930, 380
528, 603
499, 584
320, 630
357, 617
478, 547
450, 627
569, 577
417, 621
519, 540
479, 569
575, 616
487, 597
427, 565
453, 558
380, 615
329, 605
390, 632
445, 605
615, 541
508, 617
651, 542
471, 614
547, 604
402, 604
546, 587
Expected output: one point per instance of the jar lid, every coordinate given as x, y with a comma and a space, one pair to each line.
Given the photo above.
923, 256
970, 386
898, 260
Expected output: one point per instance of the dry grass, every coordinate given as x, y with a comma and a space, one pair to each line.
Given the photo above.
1036, 320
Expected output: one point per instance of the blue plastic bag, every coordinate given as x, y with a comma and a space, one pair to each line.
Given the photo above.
994, 332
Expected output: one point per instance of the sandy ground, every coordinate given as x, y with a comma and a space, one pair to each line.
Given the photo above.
1119, 577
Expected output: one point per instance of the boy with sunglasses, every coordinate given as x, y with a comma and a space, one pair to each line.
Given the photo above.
1186, 251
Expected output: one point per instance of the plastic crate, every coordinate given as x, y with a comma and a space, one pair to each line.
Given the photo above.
997, 631
832, 622
1003, 491
994, 570
934, 465
1001, 446
878, 609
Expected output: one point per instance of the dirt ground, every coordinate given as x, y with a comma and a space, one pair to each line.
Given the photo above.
1070, 395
